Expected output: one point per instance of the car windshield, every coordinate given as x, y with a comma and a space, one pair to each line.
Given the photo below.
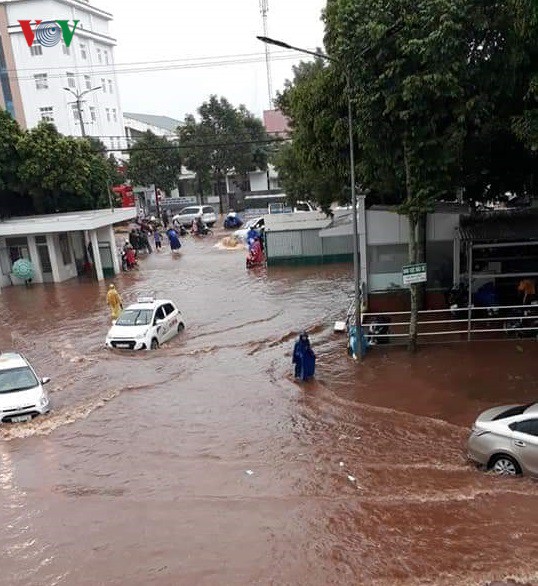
518, 410
17, 379
252, 223
135, 317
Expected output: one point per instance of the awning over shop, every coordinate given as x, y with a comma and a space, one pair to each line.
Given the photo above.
506, 226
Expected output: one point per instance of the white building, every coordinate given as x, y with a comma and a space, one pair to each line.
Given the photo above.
61, 246
138, 124
34, 87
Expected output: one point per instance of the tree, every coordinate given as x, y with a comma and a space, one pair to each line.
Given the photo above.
225, 139
408, 93
12, 201
154, 161
55, 170
316, 163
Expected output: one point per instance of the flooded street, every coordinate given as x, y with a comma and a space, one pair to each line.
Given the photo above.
139, 474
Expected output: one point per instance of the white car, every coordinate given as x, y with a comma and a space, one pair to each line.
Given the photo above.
145, 325
22, 396
256, 223
187, 215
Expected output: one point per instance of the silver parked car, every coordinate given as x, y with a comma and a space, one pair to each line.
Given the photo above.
187, 215
505, 440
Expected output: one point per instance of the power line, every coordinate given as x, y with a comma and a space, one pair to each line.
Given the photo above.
276, 134
192, 145
162, 61
167, 67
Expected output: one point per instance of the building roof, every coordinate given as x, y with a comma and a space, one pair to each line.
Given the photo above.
288, 222
164, 122
501, 226
275, 122
70, 222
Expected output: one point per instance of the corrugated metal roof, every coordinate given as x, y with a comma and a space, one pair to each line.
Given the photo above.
164, 122
505, 226
293, 226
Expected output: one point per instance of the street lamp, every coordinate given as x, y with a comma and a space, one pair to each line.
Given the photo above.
356, 268
78, 102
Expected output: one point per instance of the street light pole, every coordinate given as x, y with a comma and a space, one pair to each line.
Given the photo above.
78, 102
356, 267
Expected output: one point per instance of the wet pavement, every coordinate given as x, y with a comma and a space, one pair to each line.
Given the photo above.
204, 463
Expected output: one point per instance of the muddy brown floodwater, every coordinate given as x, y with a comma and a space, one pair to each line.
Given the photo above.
139, 475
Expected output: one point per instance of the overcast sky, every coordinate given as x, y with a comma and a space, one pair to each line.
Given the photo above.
194, 29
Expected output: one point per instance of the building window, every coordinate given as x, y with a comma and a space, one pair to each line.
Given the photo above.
17, 249
64, 247
71, 80
108, 114
99, 56
103, 85
36, 49
113, 143
110, 88
41, 81
93, 114
88, 82
106, 57
47, 113
66, 49
114, 114
83, 53
75, 113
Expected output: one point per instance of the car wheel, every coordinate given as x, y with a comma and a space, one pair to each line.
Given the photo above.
154, 344
180, 327
210, 224
504, 465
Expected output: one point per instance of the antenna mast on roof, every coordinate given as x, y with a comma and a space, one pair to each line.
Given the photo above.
264, 8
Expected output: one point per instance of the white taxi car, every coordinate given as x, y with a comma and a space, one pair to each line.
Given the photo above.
21, 393
145, 325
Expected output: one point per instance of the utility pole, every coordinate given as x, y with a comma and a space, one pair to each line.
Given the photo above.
264, 9
78, 101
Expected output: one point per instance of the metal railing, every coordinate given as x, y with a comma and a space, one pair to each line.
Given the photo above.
480, 323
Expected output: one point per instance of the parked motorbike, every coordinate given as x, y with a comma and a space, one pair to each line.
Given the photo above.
378, 330
523, 322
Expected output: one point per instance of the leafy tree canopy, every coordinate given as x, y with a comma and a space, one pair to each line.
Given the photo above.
154, 160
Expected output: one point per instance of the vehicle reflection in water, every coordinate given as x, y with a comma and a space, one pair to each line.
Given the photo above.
358, 477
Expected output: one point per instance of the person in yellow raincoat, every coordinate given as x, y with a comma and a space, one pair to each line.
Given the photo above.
113, 300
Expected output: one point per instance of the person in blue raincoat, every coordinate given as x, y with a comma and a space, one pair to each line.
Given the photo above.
252, 234
304, 358
173, 238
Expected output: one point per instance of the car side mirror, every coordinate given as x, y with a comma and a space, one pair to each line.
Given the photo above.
45, 380
158, 321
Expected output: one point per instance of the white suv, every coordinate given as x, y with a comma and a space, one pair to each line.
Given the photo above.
187, 215
21, 393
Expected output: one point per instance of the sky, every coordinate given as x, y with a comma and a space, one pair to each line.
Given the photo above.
164, 30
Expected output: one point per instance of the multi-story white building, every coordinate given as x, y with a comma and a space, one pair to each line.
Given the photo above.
33, 80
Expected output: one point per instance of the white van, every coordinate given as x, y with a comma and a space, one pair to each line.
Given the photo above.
300, 206
21, 393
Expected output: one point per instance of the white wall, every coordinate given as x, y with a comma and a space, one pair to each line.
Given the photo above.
65, 271
57, 64
258, 181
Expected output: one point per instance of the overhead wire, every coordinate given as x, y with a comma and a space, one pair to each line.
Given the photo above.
166, 67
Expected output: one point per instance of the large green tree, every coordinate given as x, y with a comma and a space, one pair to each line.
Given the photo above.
13, 199
315, 165
155, 161
224, 139
55, 170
